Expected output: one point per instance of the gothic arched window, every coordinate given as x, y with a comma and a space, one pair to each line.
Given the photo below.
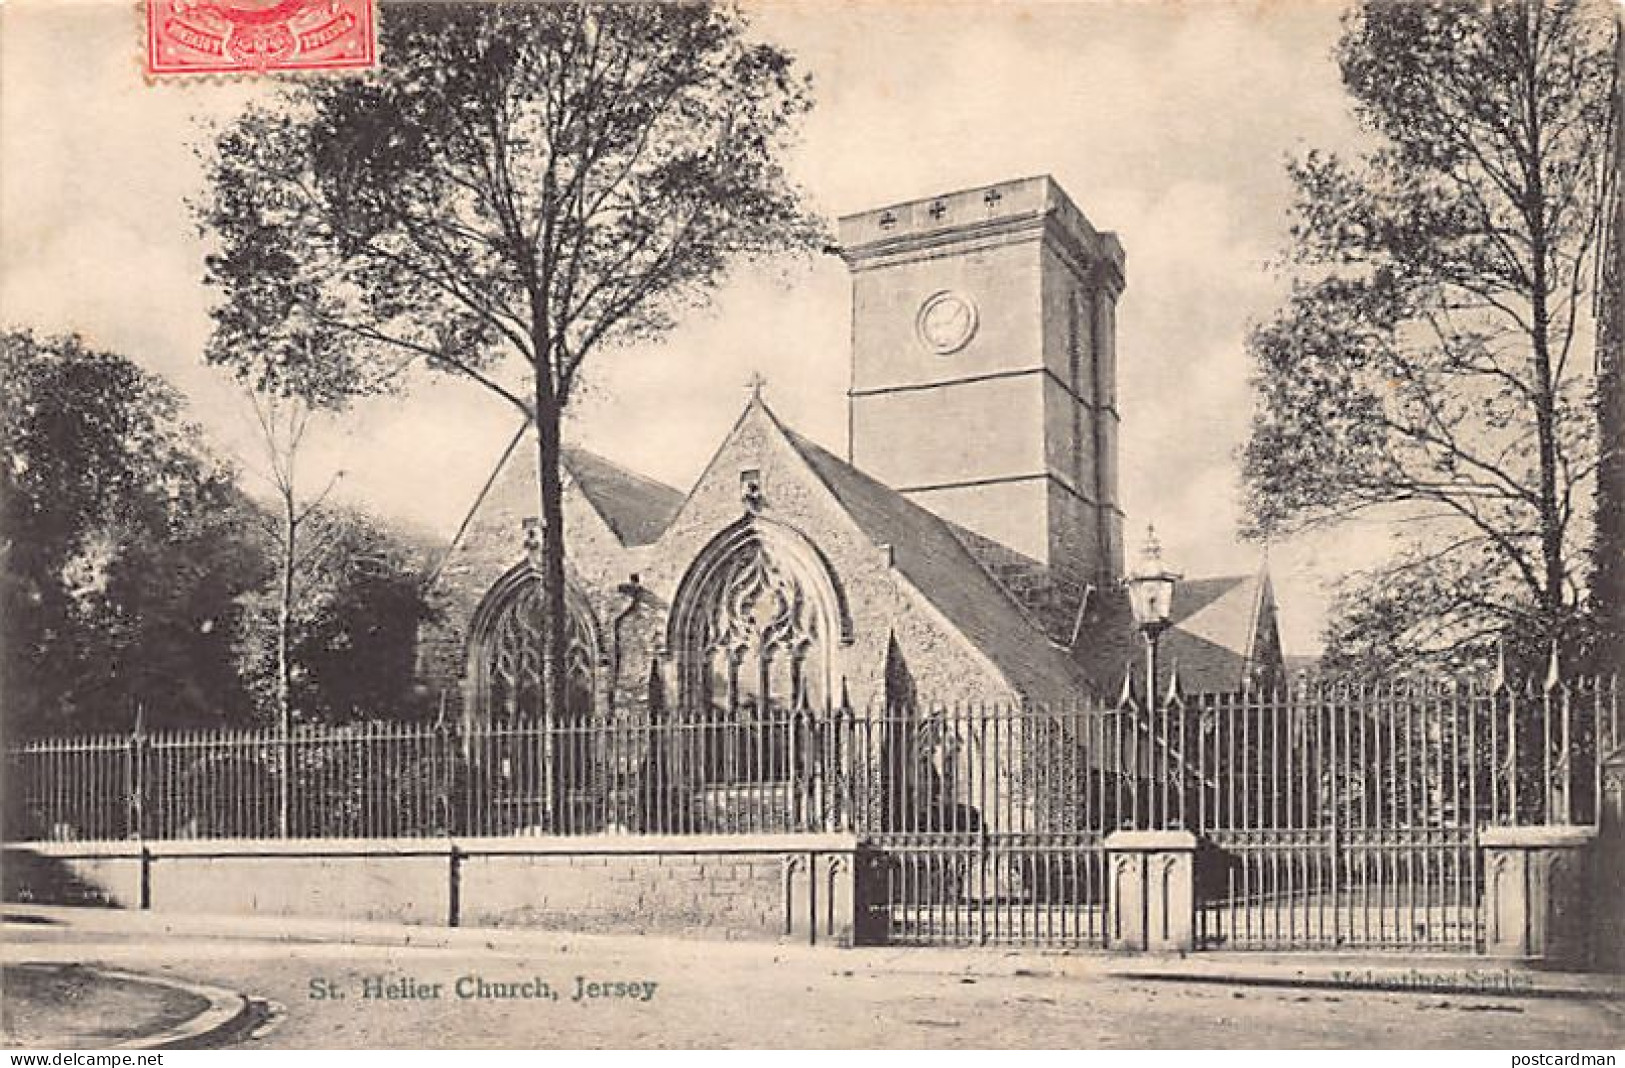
753, 626
507, 654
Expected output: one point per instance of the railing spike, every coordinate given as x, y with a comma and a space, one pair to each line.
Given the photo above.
1176, 690
1125, 696
1498, 681
1554, 675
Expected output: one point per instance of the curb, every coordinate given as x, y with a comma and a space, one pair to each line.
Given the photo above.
227, 1008
308, 929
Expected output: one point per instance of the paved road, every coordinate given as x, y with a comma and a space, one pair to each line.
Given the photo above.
658, 993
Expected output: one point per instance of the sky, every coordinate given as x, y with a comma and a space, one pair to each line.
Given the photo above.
1169, 122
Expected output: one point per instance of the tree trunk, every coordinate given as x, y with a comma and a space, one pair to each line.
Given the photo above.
553, 601
1551, 525
1545, 391
1608, 584
554, 629
284, 624
1608, 576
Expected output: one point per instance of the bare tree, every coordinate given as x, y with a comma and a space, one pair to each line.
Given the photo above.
283, 423
1608, 553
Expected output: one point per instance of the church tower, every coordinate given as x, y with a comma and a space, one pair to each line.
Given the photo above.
984, 368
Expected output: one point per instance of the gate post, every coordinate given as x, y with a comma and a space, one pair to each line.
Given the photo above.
1151, 891
1536, 890
871, 895
1606, 898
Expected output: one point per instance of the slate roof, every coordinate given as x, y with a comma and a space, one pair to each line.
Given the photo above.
1108, 643
637, 509
1053, 604
1050, 643
1212, 640
929, 555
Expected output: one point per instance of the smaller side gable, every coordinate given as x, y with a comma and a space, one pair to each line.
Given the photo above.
1222, 634
603, 502
491, 541
1211, 637
493, 533
1220, 609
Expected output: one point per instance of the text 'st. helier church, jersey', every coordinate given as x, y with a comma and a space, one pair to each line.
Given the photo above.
965, 544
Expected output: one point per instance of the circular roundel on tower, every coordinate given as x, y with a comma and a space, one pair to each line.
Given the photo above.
946, 322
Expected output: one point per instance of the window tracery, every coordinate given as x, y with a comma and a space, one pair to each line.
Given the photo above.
755, 651
512, 653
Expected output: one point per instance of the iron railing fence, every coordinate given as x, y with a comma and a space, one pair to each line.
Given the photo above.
1334, 888
1347, 817
1342, 761
419, 780
1413, 754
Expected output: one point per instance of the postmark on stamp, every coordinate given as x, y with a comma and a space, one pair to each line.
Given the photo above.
260, 36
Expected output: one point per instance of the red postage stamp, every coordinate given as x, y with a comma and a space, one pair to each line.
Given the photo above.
257, 36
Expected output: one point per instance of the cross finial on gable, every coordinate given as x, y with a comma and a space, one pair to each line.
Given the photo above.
756, 383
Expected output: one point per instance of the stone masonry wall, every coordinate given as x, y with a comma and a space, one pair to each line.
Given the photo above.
744, 887
725, 896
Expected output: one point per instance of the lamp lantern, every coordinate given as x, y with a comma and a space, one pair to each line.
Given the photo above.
1151, 589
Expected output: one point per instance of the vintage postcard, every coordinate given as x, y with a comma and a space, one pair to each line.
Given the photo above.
844, 525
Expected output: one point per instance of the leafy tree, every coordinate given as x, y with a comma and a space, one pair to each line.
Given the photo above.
355, 600
519, 186
124, 548
1430, 368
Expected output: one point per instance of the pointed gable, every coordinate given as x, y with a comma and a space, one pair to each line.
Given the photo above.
632, 508
1222, 632
610, 515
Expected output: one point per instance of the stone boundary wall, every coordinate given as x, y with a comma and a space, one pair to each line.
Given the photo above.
761, 887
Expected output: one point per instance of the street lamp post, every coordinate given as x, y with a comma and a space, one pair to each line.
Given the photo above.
1151, 597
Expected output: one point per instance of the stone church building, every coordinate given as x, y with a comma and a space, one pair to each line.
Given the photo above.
965, 544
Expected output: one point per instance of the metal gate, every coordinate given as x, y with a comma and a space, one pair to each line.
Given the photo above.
991, 889
1340, 817
1328, 817
1396, 888
990, 823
